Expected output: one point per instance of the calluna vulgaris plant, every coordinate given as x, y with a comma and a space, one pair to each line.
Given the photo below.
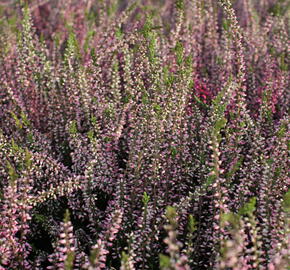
144, 134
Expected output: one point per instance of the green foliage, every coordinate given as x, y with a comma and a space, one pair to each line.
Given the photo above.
39, 218
148, 32
72, 51
221, 101
164, 261
282, 130
126, 98
12, 173
89, 38
145, 199
91, 17
69, 262
197, 99
249, 207
119, 33
171, 214
279, 8
93, 120
284, 66
145, 98
286, 201
168, 77
173, 151
147, 27
266, 109
179, 53
235, 167
15, 147
25, 37
90, 134
219, 105
30, 138
17, 121
220, 124
107, 139
21, 122
180, 4
158, 110
94, 254
132, 6
28, 159
112, 8
24, 119
152, 50
192, 224
66, 216
73, 128
109, 112
226, 24
209, 180
125, 258
230, 217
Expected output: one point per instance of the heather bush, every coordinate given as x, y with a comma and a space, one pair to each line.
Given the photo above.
144, 134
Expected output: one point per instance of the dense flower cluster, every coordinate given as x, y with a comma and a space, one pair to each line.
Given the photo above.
144, 134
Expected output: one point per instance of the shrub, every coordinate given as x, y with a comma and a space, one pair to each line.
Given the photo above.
144, 135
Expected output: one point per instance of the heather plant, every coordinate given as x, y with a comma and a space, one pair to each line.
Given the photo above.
144, 134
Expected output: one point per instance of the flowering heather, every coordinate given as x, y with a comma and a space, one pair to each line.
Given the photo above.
144, 134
